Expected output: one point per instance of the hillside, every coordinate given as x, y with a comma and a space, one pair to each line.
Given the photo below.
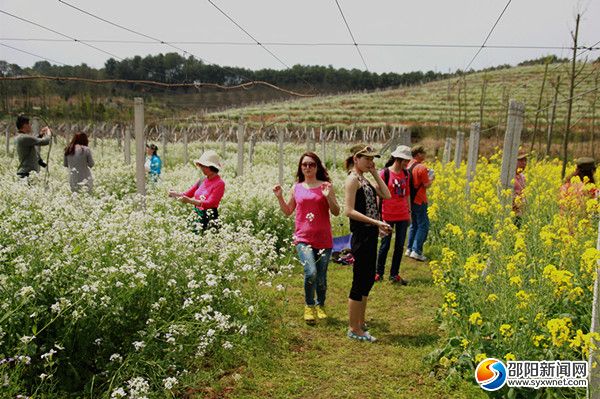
439, 104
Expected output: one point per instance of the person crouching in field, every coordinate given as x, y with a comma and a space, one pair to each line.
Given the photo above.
205, 194
579, 187
78, 159
361, 209
153, 164
313, 198
395, 211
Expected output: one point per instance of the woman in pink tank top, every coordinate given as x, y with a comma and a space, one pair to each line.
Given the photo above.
312, 197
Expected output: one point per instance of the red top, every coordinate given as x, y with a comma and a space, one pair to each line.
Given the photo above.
519, 184
212, 189
396, 208
420, 175
313, 226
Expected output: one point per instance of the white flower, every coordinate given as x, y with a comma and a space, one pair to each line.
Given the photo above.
137, 387
250, 309
26, 291
48, 355
139, 345
118, 393
169, 382
280, 287
115, 357
227, 345
27, 338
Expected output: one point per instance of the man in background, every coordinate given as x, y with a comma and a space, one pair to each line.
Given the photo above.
28, 147
421, 179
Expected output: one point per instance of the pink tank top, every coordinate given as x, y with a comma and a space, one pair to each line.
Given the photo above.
313, 226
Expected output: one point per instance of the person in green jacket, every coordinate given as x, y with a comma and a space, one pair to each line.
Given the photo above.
28, 147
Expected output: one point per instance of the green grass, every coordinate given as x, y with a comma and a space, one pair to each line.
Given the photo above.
320, 362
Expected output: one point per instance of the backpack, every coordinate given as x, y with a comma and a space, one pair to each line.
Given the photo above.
413, 189
386, 180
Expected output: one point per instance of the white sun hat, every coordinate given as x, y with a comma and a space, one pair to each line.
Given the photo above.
403, 152
209, 158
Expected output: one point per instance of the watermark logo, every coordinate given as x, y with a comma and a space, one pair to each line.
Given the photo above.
490, 374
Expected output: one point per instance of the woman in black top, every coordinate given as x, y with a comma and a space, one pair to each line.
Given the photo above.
365, 224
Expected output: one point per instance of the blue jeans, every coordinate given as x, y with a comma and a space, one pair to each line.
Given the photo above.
417, 234
315, 263
401, 227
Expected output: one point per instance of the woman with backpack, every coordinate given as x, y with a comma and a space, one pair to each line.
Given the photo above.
395, 211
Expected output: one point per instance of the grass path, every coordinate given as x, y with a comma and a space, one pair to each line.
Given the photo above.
320, 362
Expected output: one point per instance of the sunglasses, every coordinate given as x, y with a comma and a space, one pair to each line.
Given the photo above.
308, 164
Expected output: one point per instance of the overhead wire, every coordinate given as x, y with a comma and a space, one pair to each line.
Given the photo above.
309, 44
243, 85
351, 35
248, 34
33, 54
488, 35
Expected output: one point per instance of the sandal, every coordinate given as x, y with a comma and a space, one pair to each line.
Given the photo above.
367, 337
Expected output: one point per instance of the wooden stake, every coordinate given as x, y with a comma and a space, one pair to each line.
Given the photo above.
240, 155
127, 146
280, 138
140, 145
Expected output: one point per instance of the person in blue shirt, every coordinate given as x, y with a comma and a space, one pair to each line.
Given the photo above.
153, 163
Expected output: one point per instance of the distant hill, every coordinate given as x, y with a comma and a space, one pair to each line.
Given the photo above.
444, 104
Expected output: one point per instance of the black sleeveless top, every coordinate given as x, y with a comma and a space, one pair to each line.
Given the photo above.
365, 202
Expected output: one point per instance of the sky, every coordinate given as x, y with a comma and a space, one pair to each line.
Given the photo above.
440, 22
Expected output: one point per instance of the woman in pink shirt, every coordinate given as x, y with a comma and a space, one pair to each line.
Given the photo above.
312, 197
205, 194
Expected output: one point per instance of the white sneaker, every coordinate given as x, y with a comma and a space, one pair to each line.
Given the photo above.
408, 251
416, 256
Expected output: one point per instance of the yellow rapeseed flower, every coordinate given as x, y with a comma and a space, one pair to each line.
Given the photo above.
506, 330
476, 319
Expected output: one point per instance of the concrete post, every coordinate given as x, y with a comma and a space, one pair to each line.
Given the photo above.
460, 142
473, 154
447, 151
512, 138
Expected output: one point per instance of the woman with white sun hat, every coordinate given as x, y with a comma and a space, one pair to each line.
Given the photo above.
206, 193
